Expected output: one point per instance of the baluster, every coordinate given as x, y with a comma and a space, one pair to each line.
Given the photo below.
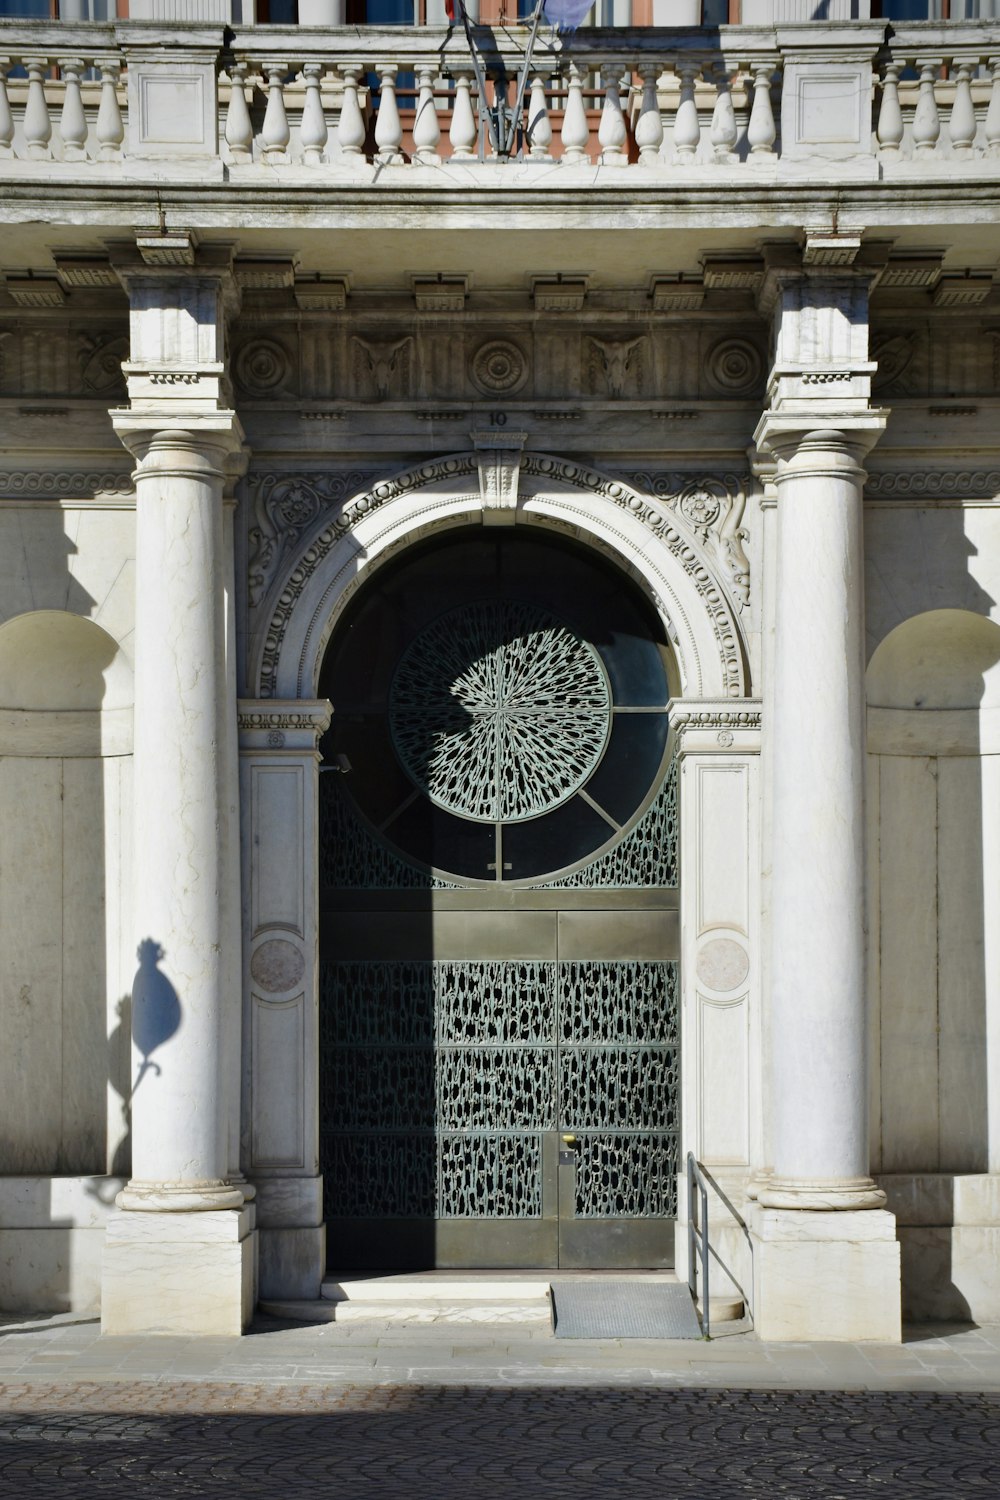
890, 116
575, 132
351, 132
649, 125
962, 124
275, 134
6, 117
464, 130
388, 131
72, 120
239, 130
312, 130
611, 132
37, 125
539, 124
926, 122
426, 130
687, 127
724, 132
110, 129
992, 114
761, 133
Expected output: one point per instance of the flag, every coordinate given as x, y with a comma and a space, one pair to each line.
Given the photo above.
567, 14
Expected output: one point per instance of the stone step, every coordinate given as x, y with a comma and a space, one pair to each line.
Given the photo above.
440, 1297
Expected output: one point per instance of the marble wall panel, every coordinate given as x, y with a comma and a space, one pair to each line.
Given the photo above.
907, 873
961, 975
84, 996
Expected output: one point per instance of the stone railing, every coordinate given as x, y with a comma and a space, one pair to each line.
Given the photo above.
939, 93
176, 100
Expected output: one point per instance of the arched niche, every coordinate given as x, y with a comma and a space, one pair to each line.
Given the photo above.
65, 687
647, 539
65, 858
933, 792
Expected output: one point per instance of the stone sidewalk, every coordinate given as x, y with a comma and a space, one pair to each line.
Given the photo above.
279, 1363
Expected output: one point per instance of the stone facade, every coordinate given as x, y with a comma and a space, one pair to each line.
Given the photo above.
739, 342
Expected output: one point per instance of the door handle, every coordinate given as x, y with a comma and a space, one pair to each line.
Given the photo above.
569, 1140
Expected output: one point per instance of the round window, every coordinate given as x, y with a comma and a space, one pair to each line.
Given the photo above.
500, 701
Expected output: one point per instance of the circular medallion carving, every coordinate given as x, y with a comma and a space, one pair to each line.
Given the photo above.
498, 711
499, 367
277, 966
261, 366
722, 965
734, 367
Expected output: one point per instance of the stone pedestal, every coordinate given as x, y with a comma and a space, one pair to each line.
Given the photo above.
178, 1273
825, 1275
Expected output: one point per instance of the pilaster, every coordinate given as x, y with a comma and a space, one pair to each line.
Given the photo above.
279, 775
717, 745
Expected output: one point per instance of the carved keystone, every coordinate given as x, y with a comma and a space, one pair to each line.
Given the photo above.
498, 454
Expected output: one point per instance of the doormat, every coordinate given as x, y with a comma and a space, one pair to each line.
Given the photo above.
599, 1309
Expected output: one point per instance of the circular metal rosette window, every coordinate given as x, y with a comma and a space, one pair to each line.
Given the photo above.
501, 703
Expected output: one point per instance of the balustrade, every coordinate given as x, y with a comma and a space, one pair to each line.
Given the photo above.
939, 95
359, 101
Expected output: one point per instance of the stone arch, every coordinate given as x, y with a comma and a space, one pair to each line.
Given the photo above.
649, 539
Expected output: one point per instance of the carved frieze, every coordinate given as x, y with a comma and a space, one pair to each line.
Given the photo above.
261, 367
70, 484
101, 358
934, 484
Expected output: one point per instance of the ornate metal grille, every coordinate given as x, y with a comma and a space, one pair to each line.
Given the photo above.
440, 1078
498, 711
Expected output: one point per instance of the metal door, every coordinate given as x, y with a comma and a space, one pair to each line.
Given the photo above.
499, 1046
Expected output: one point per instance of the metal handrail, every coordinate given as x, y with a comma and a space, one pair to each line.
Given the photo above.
698, 1231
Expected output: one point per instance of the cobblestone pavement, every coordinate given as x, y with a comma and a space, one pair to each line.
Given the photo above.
441, 1444
366, 1411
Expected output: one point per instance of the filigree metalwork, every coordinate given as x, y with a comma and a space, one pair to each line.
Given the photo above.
626, 1176
645, 858
451, 1071
352, 858
498, 711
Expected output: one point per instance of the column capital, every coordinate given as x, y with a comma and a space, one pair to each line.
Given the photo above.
182, 442
716, 726
282, 725
818, 441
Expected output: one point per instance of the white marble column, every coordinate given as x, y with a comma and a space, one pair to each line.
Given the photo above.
826, 1262
179, 1254
817, 1020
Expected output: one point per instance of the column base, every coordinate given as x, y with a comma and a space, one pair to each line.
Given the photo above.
831, 1275
182, 1273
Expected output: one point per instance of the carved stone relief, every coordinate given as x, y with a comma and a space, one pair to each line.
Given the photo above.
282, 509
498, 367
734, 367
613, 361
101, 360
713, 508
261, 367
383, 365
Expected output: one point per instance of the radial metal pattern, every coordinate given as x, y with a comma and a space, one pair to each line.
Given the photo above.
498, 711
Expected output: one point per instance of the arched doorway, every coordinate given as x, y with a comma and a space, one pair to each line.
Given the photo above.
498, 914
